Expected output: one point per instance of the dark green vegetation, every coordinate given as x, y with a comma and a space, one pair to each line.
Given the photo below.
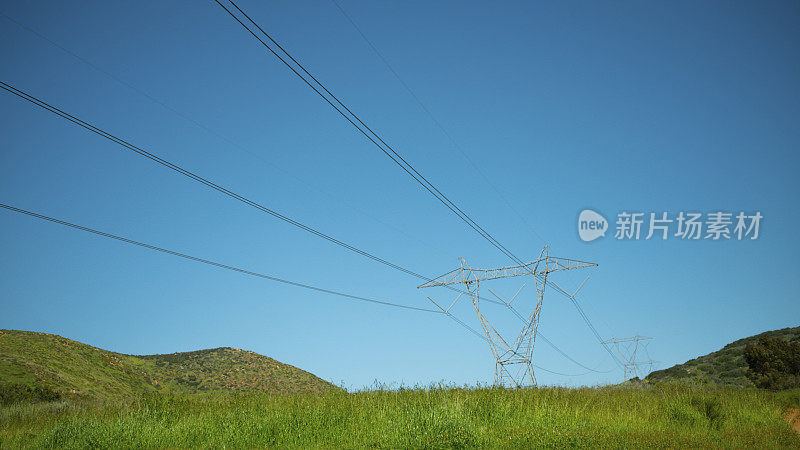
726, 367
661, 416
20, 393
773, 363
35, 364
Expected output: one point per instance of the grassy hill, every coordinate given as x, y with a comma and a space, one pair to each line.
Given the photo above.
72, 368
725, 367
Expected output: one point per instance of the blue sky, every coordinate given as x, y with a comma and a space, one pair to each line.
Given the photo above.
644, 107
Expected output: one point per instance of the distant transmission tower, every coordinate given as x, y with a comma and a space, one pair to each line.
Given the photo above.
627, 348
513, 366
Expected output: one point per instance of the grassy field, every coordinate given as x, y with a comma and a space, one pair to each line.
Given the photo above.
664, 416
59, 393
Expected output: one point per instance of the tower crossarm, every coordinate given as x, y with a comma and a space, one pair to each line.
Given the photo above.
555, 264
632, 339
541, 266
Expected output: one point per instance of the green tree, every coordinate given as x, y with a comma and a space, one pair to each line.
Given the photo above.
773, 363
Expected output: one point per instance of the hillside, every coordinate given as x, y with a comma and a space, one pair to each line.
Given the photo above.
725, 367
73, 368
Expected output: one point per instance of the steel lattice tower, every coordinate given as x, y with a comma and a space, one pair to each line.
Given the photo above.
513, 362
627, 349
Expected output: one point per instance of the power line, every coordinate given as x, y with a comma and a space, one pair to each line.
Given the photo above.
466, 157
426, 183
240, 270
195, 177
360, 125
482, 337
547, 341
436, 121
212, 132
385, 148
208, 183
200, 179
554, 346
212, 263
586, 319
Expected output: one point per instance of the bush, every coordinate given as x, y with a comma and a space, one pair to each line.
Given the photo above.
21, 393
773, 363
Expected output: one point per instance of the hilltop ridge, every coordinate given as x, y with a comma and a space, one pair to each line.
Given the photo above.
725, 367
73, 368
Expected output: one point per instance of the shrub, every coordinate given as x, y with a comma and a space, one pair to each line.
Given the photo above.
773, 363
21, 393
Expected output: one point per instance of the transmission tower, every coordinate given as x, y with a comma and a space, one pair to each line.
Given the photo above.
513, 366
627, 348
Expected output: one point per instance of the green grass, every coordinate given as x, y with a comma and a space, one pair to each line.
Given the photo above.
227, 397
39, 360
661, 416
726, 367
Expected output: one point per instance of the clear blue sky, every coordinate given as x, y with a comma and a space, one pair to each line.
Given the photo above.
649, 107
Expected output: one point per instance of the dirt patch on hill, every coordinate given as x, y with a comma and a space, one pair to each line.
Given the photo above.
793, 417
